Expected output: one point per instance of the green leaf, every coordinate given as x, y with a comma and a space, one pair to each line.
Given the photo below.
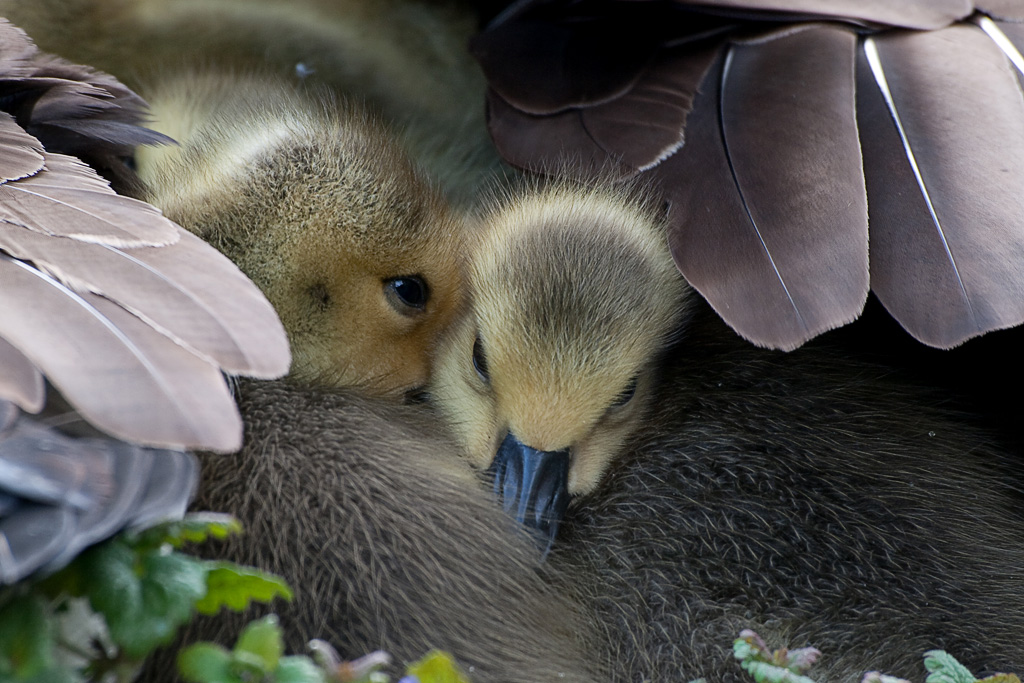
144, 596
945, 669
437, 667
743, 650
763, 672
879, 677
196, 527
262, 639
26, 639
299, 669
249, 666
766, 666
1000, 678
233, 586
206, 663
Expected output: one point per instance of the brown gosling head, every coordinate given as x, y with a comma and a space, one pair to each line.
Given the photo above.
316, 202
574, 294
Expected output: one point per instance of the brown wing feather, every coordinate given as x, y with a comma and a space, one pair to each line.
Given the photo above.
67, 198
168, 304
619, 137
81, 111
216, 283
1009, 10
542, 143
544, 67
21, 155
947, 237
645, 125
122, 375
20, 381
919, 14
1009, 38
768, 209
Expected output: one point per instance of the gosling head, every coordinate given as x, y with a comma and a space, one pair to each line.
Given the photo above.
317, 203
574, 294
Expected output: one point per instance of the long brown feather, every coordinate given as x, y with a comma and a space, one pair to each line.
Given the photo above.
631, 132
67, 198
122, 375
21, 155
217, 284
947, 234
768, 208
170, 303
918, 14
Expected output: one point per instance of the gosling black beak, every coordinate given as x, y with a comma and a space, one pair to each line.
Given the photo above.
533, 486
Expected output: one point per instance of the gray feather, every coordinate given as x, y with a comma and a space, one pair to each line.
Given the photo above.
60, 493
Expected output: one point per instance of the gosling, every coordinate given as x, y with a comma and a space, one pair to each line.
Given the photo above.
573, 295
315, 202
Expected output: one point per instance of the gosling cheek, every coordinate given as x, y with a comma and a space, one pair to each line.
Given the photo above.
593, 457
585, 474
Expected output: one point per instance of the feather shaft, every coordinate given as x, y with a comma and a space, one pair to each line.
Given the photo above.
117, 371
768, 208
871, 52
1002, 41
729, 155
945, 192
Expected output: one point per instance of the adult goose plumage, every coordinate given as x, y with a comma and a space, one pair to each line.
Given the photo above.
776, 132
130, 317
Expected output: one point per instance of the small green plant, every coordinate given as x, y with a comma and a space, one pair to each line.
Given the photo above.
788, 666
768, 666
99, 617
942, 668
102, 615
258, 657
435, 667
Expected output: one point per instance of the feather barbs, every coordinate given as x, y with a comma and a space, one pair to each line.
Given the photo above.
781, 143
132, 318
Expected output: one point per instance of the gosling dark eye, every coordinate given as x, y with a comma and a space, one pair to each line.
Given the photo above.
407, 292
480, 361
625, 395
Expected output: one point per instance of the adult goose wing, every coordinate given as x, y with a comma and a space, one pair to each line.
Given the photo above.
768, 215
132, 318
